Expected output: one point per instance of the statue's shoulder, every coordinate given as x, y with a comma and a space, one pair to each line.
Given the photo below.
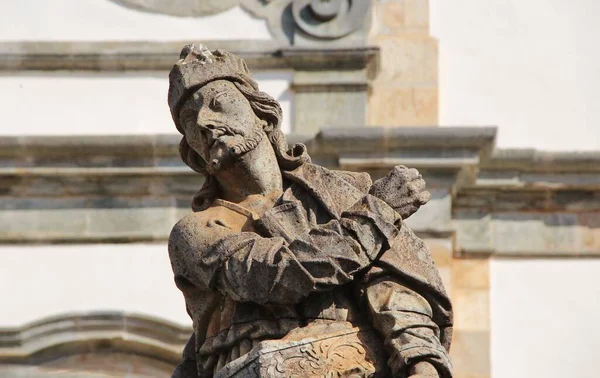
360, 180
314, 172
202, 228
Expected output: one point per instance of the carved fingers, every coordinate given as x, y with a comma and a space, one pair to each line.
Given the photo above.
403, 189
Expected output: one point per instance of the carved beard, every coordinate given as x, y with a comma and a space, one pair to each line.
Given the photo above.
231, 152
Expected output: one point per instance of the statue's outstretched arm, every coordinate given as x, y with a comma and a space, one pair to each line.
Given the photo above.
250, 268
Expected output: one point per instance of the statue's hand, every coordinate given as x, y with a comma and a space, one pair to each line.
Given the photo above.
403, 189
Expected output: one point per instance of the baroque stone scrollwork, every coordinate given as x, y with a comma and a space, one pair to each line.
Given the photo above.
316, 19
321, 20
329, 18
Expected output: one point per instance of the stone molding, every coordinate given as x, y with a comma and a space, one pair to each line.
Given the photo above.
147, 56
501, 202
64, 335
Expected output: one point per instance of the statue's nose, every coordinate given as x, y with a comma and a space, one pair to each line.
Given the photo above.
210, 132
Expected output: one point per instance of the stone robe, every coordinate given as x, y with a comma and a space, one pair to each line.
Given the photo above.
327, 253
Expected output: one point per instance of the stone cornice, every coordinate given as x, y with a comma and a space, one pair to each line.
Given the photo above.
59, 336
134, 188
128, 56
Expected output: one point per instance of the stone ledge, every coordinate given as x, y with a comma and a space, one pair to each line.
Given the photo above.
447, 156
527, 234
58, 336
530, 160
549, 201
124, 56
334, 140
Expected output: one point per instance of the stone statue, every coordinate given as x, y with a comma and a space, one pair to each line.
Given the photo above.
290, 269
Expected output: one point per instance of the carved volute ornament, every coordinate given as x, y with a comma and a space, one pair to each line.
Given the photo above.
329, 19
318, 20
290, 269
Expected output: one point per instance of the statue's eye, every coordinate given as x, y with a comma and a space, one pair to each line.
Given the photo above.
215, 104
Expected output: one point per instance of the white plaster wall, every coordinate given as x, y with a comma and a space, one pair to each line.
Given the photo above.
528, 66
98, 20
544, 318
73, 103
40, 281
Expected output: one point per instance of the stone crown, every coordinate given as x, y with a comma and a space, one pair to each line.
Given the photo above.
198, 66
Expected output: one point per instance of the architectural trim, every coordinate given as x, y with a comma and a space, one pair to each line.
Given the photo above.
147, 56
64, 335
501, 202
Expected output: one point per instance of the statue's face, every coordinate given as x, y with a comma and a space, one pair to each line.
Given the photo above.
219, 123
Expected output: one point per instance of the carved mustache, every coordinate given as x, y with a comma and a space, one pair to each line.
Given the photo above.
220, 127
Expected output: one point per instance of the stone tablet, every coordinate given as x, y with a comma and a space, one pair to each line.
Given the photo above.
290, 269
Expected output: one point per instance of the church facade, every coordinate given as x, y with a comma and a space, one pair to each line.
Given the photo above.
91, 181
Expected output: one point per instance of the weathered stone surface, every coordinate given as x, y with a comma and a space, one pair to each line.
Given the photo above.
306, 269
527, 233
403, 106
435, 216
337, 108
406, 60
473, 231
405, 93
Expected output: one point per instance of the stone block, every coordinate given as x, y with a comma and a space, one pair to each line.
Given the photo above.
42, 224
315, 110
470, 354
536, 234
435, 215
471, 274
410, 59
471, 309
155, 223
186, 184
473, 231
390, 17
514, 232
416, 13
410, 106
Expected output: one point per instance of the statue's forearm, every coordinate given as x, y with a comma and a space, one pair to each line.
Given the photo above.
289, 264
403, 318
264, 270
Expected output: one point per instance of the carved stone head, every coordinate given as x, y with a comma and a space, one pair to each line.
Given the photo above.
222, 114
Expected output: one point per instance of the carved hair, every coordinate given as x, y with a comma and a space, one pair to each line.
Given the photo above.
267, 109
